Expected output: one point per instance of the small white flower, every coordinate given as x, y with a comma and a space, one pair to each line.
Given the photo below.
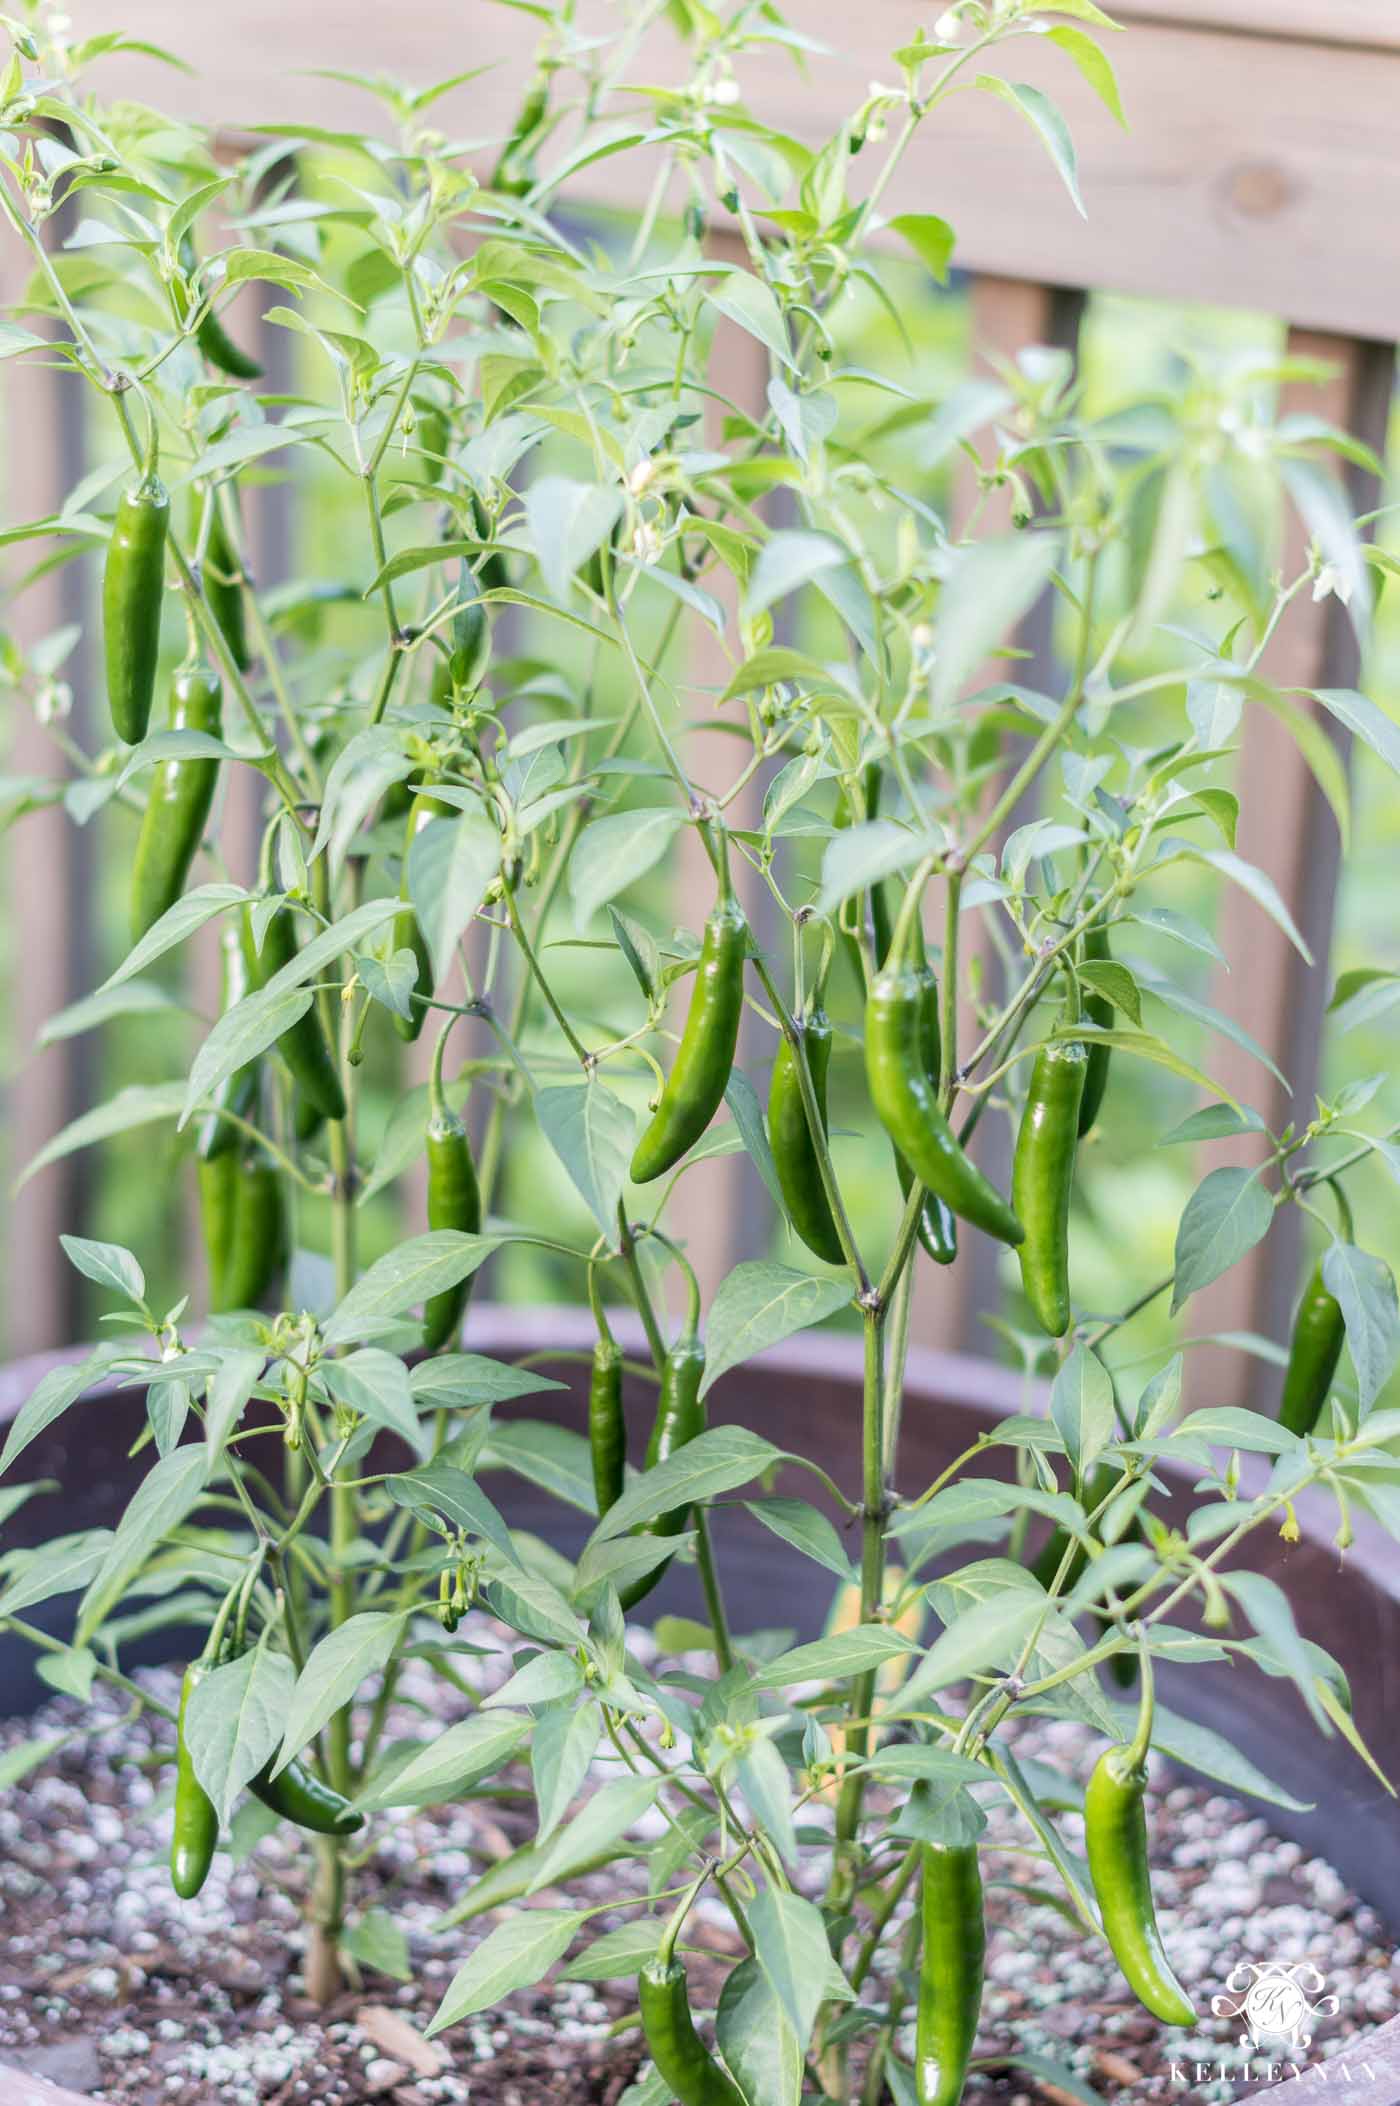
725, 91
1328, 581
646, 543
641, 476
948, 28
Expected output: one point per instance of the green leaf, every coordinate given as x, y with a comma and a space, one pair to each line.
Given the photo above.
990, 586
606, 1816
375, 1384
230, 1388
159, 1504
618, 1955
1261, 889
438, 1487
1095, 66
448, 1765
1365, 1288
1366, 720
1045, 119
1227, 1214
982, 1637
568, 522
748, 301
789, 560
931, 239
48, 1401
63, 1566
859, 856
1081, 1406
234, 1720
1267, 1607
517, 1953
807, 1529
564, 1744
1200, 1748
614, 853
345, 1658
1226, 1426
189, 913
450, 865
416, 1270
791, 1948
1143, 1046
1217, 1122
106, 1265
756, 2038
240, 1035
592, 1133
714, 1462
758, 1304
376, 1941
135, 998
836, 1658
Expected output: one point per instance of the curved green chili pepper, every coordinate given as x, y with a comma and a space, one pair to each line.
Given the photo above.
301, 1797
407, 934
255, 1231
1314, 1349
133, 583
790, 1137
1099, 1010
514, 173
680, 1416
1042, 1179
303, 1046
454, 1202
607, 1427
950, 1973
211, 336
1115, 1834
696, 1086
682, 2060
906, 1103
237, 1092
218, 1204
223, 581
937, 1226
196, 1833
177, 804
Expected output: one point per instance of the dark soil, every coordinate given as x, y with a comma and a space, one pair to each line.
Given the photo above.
112, 1987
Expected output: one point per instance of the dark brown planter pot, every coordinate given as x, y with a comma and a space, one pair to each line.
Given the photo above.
805, 1396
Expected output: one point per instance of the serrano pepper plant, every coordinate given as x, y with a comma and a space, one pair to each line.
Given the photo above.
539, 496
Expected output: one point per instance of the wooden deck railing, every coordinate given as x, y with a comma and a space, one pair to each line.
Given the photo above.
1261, 171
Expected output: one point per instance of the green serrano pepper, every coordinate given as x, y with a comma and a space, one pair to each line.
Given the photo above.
218, 1204
133, 583
454, 1202
1042, 1179
906, 1103
210, 334
789, 1135
177, 804
254, 1236
237, 1092
950, 1973
223, 581
937, 1226
607, 1427
1099, 1010
196, 1833
682, 2060
302, 1798
1314, 1349
1115, 1834
303, 1045
695, 1088
680, 1416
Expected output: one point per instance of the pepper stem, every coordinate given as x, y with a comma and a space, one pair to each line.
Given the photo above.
150, 460
906, 943
595, 1303
437, 1099
1142, 1739
692, 1321
1344, 1214
666, 1951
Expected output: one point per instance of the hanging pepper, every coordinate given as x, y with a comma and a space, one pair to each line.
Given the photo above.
196, 1832
607, 1426
454, 1202
1042, 1179
937, 1226
950, 1973
133, 583
1115, 1834
680, 1416
790, 1137
696, 1086
683, 2062
218, 1201
222, 578
303, 1045
177, 803
237, 1092
300, 1796
514, 172
245, 1228
906, 1102
1314, 1350
210, 334
1099, 1010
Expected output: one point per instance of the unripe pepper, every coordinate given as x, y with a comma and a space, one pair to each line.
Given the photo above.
1314, 1349
223, 592
1099, 1010
195, 1836
607, 1428
680, 1416
218, 1204
695, 1088
303, 1046
1042, 1179
256, 1232
454, 1202
683, 2062
790, 1137
905, 1098
1115, 1834
133, 583
300, 1796
237, 1092
937, 1225
950, 1972
177, 803
213, 339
